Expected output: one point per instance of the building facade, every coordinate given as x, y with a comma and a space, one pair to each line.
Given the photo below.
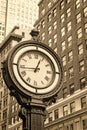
22, 13
63, 27
9, 119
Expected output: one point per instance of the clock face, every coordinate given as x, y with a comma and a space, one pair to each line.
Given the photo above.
35, 69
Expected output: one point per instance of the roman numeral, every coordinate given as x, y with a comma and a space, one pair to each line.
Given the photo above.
42, 82
35, 83
22, 66
24, 60
47, 65
36, 56
46, 78
23, 73
28, 79
29, 55
49, 72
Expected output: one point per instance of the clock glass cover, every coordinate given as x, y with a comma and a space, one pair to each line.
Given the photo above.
36, 69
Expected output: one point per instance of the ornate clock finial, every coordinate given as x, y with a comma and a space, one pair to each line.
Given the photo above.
34, 33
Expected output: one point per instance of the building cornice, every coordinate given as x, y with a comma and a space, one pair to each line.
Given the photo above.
11, 36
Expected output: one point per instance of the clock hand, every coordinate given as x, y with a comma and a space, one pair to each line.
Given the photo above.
36, 68
29, 68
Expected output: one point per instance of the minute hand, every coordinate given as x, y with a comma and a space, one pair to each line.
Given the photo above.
37, 66
30, 68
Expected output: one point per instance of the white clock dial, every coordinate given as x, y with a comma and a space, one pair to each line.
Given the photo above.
36, 69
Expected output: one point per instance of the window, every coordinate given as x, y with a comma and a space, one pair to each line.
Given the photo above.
77, 125
5, 102
78, 18
84, 0
85, 124
69, 41
69, 26
65, 76
64, 60
43, 24
18, 128
38, 27
62, 18
70, 56
81, 66
77, 4
55, 25
62, 4
50, 42
85, 11
82, 83
83, 102
71, 86
54, 12
16, 106
43, 12
4, 127
56, 114
55, 49
63, 45
71, 127
68, 1
4, 114
49, 17
13, 108
43, 36
71, 72
13, 120
80, 49
67, 127
65, 110
85, 27
49, 5
86, 43
72, 107
50, 30
50, 116
65, 92
54, 0
79, 33
60, 128
68, 12
55, 38
63, 31
0, 105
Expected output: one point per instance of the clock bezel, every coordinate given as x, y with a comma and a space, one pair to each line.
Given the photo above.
19, 87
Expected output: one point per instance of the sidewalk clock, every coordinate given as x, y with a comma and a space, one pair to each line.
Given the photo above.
33, 70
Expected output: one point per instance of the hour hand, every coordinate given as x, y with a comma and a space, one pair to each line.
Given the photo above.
36, 68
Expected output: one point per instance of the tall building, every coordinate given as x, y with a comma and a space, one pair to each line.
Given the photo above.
22, 13
2, 18
63, 27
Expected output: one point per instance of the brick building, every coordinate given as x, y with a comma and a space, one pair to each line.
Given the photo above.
63, 27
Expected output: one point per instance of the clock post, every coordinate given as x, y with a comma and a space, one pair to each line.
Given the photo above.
33, 73
33, 115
